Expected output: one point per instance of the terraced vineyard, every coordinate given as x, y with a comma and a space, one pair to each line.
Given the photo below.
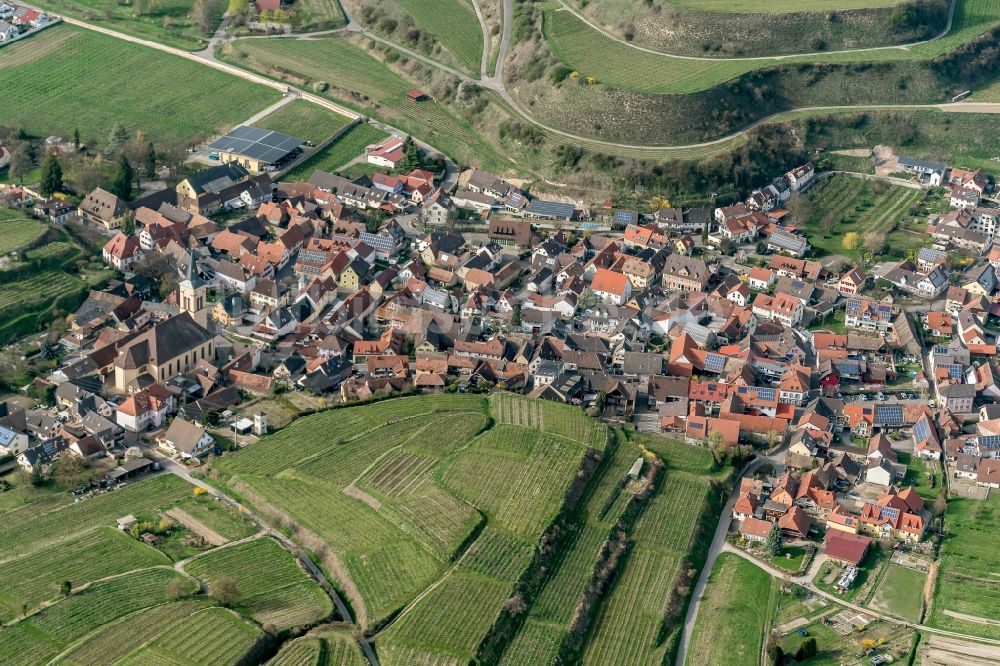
352, 73
454, 24
17, 231
56, 628
273, 589
613, 63
305, 651
304, 120
210, 636
395, 529
67, 77
628, 624
551, 417
105, 551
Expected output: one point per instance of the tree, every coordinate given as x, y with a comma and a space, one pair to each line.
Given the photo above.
66, 588
773, 438
237, 7
117, 138
121, 185
68, 470
149, 161
806, 649
940, 505
225, 591
128, 224
21, 162
204, 12
178, 588
52, 176
76, 138
37, 476
515, 319
775, 655
852, 241
411, 156
773, 541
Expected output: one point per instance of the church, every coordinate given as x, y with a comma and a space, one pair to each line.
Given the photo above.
171, 347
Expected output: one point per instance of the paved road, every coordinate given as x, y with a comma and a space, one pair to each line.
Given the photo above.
718, 545
496, 84
898, 47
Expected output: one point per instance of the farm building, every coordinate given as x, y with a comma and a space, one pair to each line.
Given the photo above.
257, 150
847, 548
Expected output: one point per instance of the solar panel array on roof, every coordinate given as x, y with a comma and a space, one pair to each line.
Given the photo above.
763, 392
955, 371
715, 362
891, 513
257, 144
889, 414
990, 442
376, 241
625, 216
922, 430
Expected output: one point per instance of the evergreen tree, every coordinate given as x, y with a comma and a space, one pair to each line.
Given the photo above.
76, 138
118, 137
52, 176
411, 156
121, 185
128, 224
150, 160
773, 542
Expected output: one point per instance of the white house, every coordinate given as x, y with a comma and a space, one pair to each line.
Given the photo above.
186, 439
12, 443
7, 31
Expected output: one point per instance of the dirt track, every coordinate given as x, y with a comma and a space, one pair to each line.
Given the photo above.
198, 527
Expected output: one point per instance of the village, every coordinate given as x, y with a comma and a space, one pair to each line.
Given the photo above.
240, 302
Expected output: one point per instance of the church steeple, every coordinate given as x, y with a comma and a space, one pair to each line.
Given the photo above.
191, 293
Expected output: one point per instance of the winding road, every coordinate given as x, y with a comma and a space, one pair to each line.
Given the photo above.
497, 85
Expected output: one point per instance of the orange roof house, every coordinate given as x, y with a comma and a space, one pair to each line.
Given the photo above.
795, 522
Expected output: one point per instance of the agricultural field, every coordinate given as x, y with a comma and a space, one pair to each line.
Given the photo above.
549, 620
330, 648
210, 636
395, 527
616, 64
716, 29
361, 81
900, 592
322, 14
17, 231
218, 517
966, 589
67, 77
453, 24
515, 475
628, 625
735, 614
677, 455
168, 21
272, 588
27, 530
338, 154
304, 120
58, 627
551, 417
838, 204
35, 578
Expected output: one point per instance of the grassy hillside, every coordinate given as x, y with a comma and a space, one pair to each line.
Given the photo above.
716, 28
367, 84
168, 21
